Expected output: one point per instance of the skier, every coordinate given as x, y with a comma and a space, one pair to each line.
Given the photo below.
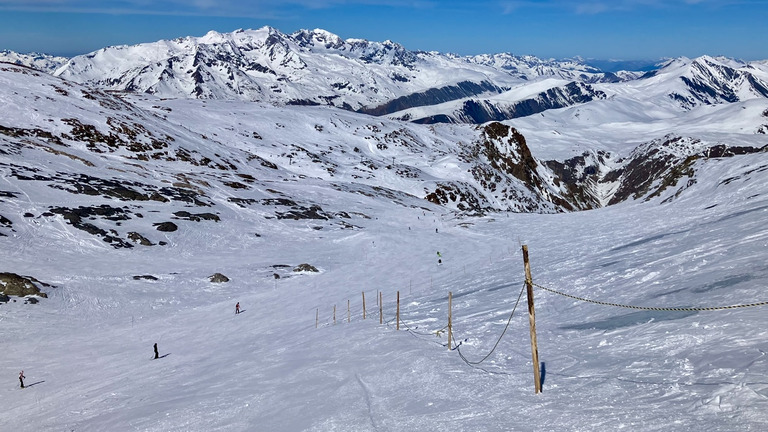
237, 308
156, 354
21, 378
439, 258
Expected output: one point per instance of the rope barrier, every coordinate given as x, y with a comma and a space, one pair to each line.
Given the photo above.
500, 337
475, 364
693, 309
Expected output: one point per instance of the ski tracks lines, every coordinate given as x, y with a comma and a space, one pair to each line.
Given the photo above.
368, 402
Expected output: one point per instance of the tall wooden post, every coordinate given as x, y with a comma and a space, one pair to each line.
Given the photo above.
398, 310
381, 309
532, 321
363, 304
450, 318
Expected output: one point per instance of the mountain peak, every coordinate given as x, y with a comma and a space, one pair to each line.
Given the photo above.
318, 38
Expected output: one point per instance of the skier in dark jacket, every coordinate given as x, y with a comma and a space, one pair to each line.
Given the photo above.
21, 378
156, 354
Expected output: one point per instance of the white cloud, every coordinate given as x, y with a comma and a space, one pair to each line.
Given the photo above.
602, 6
263, 7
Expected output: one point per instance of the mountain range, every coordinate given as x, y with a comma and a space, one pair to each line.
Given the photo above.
383, 78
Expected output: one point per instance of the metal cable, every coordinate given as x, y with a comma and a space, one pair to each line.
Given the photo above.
694, 309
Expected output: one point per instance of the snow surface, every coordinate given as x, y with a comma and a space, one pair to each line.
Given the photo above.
87, 350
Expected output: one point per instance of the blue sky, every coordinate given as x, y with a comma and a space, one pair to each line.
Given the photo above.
602, 29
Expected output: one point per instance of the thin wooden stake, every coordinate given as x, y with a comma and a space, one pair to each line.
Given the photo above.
532, 321
334, 314
363, 304
398, 310
381, 309
450, 318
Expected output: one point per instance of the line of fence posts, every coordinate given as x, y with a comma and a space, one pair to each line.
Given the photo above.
531, 317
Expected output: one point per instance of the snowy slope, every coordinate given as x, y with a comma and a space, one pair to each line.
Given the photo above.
255, 191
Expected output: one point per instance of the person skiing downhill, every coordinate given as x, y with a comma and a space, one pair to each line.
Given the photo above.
237, 308
21, 378
439, 258
157, 355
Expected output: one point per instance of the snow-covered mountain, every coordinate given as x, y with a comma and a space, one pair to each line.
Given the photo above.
710, 80
681, 84
521, 101
44, 62
530, 67
307, 67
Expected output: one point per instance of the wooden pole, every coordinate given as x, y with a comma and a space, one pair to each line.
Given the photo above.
334, 314
450, 318
532, 321
381, 309
398, 310
363, 304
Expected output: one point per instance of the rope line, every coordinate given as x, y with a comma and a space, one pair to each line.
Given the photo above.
471, 363
693, 309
